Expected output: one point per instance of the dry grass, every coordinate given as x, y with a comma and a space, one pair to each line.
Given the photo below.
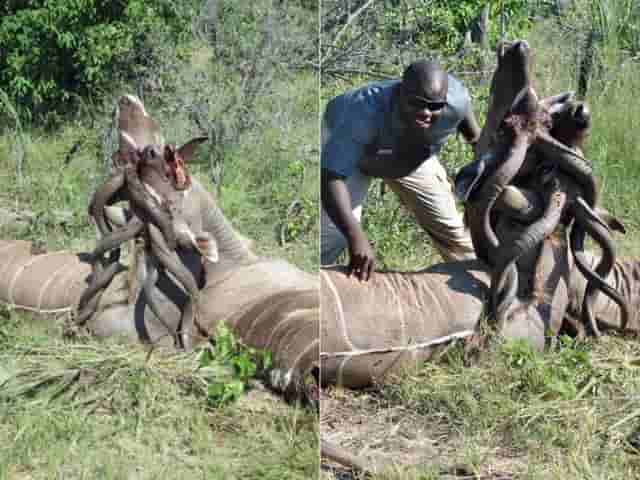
571, 413
515, 413
92, 409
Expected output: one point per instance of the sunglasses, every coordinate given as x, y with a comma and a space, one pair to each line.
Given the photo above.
420, 103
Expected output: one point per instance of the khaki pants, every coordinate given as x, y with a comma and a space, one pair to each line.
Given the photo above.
427, 193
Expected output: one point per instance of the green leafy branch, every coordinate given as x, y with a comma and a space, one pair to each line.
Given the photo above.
228, 366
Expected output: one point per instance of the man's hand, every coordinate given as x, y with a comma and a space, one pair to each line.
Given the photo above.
470, 129
362, 259
336, 200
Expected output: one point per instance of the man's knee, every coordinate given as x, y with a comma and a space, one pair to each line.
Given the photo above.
457, 254
332, 243
329, 253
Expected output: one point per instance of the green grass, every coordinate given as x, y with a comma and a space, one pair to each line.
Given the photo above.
566, 413
512, 413
101, 409
613, 145
92, 409
271, 181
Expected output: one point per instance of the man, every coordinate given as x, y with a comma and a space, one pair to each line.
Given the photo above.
393, 130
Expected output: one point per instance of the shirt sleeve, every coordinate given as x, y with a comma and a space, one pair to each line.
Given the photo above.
459, 98
349, 127
465, 103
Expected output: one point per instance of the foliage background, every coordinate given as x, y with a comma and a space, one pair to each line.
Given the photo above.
239, 72
507, 412
247, 75
359, 45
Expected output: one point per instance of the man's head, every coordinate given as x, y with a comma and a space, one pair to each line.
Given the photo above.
423, 94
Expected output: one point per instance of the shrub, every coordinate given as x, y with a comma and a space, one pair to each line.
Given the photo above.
57, 50
440, 25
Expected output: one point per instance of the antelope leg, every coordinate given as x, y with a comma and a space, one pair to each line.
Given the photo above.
345, 458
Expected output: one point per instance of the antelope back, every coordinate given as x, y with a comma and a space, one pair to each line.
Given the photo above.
43, 282
271, 305
394, 310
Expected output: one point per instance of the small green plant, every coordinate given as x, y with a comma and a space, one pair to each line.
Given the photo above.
121, 400
559, 375
228, 366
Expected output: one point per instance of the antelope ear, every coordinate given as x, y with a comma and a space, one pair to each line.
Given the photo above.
501, 48
127, 142
557, 103
187, 150
117, 216
470, 176
526, 101
559, 108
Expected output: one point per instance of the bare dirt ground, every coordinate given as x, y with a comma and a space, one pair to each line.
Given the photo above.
402, 444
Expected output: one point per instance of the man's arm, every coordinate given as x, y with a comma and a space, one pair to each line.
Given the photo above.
336, 200
469, 127
467, 178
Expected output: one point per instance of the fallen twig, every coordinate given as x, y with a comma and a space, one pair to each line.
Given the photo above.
350, 18
357, 71
344, 458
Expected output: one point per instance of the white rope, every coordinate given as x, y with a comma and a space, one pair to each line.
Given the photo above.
406, 348
14, 306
